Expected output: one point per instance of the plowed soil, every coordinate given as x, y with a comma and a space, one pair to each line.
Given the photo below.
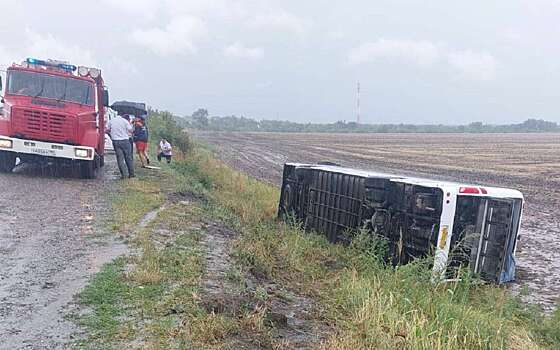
527, 162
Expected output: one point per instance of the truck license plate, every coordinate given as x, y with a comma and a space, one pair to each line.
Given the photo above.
44, 152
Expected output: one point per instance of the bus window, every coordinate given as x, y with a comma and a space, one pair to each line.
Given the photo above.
464, 233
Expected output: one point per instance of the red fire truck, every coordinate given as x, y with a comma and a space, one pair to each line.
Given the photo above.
54, 112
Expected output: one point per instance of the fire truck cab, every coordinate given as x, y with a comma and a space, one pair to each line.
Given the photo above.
53, 112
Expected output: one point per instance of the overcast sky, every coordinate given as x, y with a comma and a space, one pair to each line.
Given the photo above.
418, 61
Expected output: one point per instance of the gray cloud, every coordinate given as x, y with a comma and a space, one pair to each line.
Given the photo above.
237, 50
422, 53
417, 61
179, 36
473, 65
279, 20
468, 63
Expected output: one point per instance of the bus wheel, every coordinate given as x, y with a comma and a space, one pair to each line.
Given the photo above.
7, 162
287, 200
89, 168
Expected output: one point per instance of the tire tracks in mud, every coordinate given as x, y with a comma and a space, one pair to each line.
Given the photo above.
522, 161
288, 315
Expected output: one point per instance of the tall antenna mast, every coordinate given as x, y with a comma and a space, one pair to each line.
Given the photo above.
358, 104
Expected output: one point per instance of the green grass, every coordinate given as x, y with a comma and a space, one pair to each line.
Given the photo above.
142, 298
104, 296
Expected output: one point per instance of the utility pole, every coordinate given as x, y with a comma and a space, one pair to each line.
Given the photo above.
358, 104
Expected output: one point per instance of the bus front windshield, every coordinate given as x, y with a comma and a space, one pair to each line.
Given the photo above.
50, 86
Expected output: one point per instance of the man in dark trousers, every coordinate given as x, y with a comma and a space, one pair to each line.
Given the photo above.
120, 131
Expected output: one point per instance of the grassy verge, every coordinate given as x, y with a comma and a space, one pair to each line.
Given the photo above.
154, 299
371, 305
151, 298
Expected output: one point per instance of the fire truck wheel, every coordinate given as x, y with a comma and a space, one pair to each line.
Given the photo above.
101, 161
7, 162
89, 169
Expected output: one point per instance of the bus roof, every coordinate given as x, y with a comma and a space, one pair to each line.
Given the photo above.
458, 188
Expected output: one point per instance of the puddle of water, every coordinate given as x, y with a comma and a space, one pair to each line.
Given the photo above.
149, 217
538, 273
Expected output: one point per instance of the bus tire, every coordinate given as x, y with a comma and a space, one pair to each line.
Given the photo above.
288, 199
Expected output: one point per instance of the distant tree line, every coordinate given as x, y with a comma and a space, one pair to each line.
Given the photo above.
201, 120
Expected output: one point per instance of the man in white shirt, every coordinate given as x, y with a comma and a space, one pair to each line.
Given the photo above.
120, 130
164, 150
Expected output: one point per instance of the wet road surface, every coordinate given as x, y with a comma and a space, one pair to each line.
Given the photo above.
50, 244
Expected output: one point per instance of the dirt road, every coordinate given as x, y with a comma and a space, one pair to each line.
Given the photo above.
49, 246
528, 162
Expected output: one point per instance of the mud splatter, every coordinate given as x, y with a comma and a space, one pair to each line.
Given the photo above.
290, 316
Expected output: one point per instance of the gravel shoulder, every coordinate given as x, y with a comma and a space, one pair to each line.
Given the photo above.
50, 244
528, 162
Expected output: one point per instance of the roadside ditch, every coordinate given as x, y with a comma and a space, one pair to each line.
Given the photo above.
182, 285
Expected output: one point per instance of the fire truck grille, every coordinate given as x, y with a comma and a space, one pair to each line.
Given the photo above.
45, 126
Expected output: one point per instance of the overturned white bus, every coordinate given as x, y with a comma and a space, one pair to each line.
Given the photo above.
461, 225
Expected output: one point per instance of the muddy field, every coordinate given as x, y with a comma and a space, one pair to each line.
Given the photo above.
49, 247
527, 162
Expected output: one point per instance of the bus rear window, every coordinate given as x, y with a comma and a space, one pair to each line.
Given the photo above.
484, 236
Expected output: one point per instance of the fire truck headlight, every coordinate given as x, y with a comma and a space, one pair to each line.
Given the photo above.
6, 143
94, 72
82, 153
83, 71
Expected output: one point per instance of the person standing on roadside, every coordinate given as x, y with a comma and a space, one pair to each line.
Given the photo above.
141, 140
120, 131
